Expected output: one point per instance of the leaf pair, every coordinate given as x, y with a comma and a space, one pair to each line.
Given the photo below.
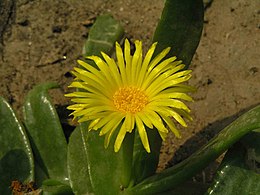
40, 151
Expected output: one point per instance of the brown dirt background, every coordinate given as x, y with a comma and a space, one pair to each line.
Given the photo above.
37, 35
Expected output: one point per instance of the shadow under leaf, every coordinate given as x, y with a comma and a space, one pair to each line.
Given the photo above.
14, 165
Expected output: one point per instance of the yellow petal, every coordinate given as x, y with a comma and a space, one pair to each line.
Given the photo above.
121, 63
129, 122
128, 60
171, 103
175, 95
120, 137
109, 135
109, 126
173, 114
143, 134
93, 123
105, 69
156, 121
145, 64
158, 58
114, 69
172, 126
136, 61
145, 119
106, 119
160, 85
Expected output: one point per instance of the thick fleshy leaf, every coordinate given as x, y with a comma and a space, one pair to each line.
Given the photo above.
101, 171
94, 169
172, 177
188, 188
180, 28
102, 36
16, 159
239, 173
145, 164
78, 162
40, 175
252, 144
53, 187
45, 133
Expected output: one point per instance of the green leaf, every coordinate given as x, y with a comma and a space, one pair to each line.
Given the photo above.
16, 159
78, 162
145, 164
180, 28
107, 168
99, 170
234, 176
53, 187
45, 133
174, 176
252, 144
102, 36
40, 175
103, 171
188, 188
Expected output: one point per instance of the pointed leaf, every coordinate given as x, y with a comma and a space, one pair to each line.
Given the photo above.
102, 36
16, 159
180, 28
103, 171
234, 175
172, 177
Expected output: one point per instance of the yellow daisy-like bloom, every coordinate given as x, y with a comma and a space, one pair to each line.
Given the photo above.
131, 93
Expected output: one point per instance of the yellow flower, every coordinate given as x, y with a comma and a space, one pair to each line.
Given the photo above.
131, 93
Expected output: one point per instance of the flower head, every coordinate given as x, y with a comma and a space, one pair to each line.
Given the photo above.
131, 93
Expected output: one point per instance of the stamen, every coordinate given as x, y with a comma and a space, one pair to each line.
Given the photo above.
130, 99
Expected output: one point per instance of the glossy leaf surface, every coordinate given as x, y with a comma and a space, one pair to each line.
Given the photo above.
145, 164
92, 168
45, 133
16, 159
102, 36
172, 177
78, 162
239, 171
180, 28
53, 187
91, 165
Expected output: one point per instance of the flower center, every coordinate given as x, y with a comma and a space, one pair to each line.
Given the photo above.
130, 99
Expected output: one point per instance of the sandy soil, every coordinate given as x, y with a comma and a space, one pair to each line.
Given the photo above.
40, 41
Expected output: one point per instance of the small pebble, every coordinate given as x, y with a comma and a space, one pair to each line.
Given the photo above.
56, 29
24, 22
